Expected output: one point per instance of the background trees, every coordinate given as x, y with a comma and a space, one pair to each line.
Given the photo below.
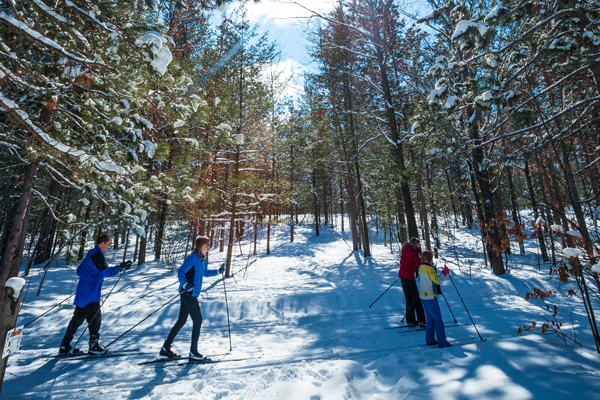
146, 121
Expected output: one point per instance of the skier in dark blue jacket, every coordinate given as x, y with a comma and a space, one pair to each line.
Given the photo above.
92, 271
190, 275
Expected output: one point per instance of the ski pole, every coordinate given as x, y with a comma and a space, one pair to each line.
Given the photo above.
40, 316
409, 308
384, 292
227, 305
99, 308
468, 313
443, 295
153, 312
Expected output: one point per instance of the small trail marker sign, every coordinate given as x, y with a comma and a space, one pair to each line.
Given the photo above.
13, 341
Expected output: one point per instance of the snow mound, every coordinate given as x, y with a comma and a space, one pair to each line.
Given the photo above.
432, 97
572, 252
162, 57
574, 234
224, 127
463, 26
16, 284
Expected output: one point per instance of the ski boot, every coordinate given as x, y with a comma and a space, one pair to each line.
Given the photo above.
95, 349
197, 357
167, 352
69, 350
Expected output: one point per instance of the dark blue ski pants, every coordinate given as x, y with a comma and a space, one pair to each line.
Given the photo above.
435, 325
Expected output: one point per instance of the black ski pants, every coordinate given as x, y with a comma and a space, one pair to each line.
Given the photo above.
191, 306
413, 302
90, 313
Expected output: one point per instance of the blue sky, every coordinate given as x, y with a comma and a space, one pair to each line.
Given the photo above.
285, 22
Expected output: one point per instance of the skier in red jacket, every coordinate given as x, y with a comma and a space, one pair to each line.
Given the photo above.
410, 261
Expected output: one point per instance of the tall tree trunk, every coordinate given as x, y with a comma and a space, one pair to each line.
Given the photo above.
493, 235
574, 198
403, 192
515, 210
45, 242
135, 251
11, 210
363, 209
9, 311
13, 252
342, 203
143, 240
291, 203
256, 233
316, 203
434, 221
452, 199
160, 232
557, 195
84, 234
12, 257
234, 182
126, 245
269, 232
423, 209
536, 214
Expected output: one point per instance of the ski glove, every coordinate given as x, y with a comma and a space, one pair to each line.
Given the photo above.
125, 265
187, 287
445, 271
221, 269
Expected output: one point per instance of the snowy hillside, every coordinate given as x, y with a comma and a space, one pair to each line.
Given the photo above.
301, 328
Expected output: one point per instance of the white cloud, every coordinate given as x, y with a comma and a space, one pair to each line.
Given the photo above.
291, 71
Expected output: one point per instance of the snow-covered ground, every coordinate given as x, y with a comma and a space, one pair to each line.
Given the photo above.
301, 318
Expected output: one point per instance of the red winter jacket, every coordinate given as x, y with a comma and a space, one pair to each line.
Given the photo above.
410, 260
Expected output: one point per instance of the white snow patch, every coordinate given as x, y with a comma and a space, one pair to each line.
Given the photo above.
463, 26
432, 97
572, 252
224, 127
450, 101
494, 13
485, 96
162, 57
16, 284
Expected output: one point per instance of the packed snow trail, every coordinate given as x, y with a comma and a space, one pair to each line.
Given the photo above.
304, 310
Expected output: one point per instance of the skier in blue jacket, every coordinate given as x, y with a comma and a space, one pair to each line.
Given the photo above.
190, 275
92, 271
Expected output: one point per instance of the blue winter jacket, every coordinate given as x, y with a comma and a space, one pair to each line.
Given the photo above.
194, 268
91, 272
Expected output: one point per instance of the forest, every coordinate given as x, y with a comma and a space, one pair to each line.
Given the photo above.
149, 121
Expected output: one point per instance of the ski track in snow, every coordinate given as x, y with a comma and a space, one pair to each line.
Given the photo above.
304, 310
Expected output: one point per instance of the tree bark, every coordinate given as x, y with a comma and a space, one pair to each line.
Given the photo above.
9, 311
491, 221
452, 199
160, 232
534, 205
84, 235
316, 204
434, 221
13, 253
363, 209
404, 194
574, 199
143, 240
